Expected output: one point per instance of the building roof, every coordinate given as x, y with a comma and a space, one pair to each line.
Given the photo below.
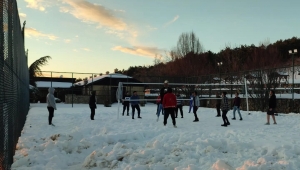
47, 84
107, 79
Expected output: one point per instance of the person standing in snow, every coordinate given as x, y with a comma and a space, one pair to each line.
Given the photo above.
163, 91
51, 105
236, 106
92, 104
126, 103
169, 104
191, 103
218, 105
196, 104
179, 105
134, 101
225, 108
272, 106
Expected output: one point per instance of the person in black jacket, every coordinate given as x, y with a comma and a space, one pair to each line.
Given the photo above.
126, 103
92, 104
272, 106
163, 91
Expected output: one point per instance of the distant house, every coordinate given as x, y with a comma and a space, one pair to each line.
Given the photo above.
106, 88
62, 86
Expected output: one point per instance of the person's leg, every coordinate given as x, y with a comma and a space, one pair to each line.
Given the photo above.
92, 113
173, 116
273, 117
176, 111
218, 110
239, 112
268, 118
224, 117
160, 108
166, 115
51, 112
190, 108
124, 107
181, 111
234, 110
195, 113
133, 109
49, 115
139, 111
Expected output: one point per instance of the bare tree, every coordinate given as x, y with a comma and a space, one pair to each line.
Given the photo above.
187, 43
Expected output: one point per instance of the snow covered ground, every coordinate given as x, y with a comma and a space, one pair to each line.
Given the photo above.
76, 142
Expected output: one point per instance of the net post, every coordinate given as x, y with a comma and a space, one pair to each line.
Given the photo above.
246, 91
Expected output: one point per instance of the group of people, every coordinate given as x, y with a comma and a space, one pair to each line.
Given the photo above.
169, 104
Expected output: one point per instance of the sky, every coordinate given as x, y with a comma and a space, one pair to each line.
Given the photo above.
95, 36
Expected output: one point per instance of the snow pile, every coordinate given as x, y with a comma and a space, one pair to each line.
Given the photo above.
76, 142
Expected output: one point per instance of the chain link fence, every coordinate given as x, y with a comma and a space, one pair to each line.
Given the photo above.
14, 84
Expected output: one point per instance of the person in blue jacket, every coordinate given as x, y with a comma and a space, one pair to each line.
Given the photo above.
135, 101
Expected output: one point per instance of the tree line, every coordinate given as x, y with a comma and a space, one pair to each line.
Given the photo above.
189, 58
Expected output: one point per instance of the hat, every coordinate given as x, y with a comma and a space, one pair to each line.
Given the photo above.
166, 81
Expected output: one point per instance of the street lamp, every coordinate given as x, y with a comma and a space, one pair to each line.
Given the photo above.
219, 65
291, 52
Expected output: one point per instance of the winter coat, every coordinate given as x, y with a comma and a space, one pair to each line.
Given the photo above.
237, 101
224, 104
50, 98
179, 101
126, 99
134, 100
163, 91
158, 100
169, 100
196, 101
191, 100
93, 101
218, 100
272, 102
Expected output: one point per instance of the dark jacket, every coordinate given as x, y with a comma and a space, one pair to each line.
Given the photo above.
224, 104
163, 91
126, 99
169, 100
134, 100
218, 100
272, 102
92, 102
237, 101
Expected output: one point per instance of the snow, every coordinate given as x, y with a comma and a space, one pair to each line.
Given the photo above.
47, 84
76, 142
112, 75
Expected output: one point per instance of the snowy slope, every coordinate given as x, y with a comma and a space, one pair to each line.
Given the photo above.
76, 142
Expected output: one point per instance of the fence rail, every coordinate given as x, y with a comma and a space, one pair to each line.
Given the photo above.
14, 81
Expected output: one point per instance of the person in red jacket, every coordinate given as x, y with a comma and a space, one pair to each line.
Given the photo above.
169, 104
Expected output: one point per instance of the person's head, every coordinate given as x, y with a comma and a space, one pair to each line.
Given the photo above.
134, 93
169, 90
195, 93
236, 94
224, 93
51, 90
177, 94
272, 92
166, 83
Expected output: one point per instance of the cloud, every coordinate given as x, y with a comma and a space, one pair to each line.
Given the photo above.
22, 15
67, 40
31, 32
36, 4
172, 21
93, 13
151, 52
86, 49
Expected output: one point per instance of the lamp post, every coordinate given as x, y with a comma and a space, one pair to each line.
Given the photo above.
219, 65
291, 52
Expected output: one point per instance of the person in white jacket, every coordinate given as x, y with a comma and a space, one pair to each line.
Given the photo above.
51, 105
